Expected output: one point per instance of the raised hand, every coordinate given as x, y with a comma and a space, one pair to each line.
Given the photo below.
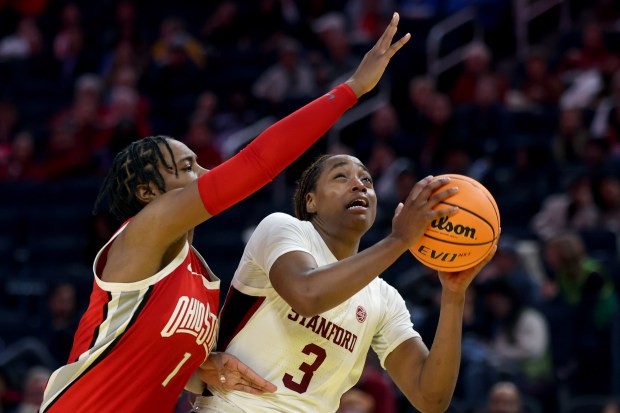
458, 282
225, 371
376, 59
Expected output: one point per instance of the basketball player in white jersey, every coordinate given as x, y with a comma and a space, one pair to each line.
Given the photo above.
305, 307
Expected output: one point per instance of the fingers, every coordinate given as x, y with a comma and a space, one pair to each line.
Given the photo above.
219, 366
384, 44
396, 46
256, 381
425, 191
385, 40
419, 187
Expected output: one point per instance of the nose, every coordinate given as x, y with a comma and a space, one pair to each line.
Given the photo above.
358, 185
202, 171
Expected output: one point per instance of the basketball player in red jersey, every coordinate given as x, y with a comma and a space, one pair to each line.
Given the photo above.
152, 318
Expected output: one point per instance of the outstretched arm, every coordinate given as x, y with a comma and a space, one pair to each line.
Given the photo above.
428, 378
272, 151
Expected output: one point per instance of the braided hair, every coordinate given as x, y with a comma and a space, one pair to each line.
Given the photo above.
307, 183
135, 165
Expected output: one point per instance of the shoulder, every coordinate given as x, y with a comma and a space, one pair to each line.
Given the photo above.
277, 224
276, 220
279, 218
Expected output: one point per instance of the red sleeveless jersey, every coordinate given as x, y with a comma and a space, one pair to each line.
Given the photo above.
138, 343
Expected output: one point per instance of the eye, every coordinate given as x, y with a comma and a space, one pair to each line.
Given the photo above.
188, 167
367, 179
340, 175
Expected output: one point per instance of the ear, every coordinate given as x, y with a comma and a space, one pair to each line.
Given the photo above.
310, 203
145, 193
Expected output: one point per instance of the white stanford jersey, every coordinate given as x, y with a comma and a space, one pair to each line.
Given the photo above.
312, 361
138, 343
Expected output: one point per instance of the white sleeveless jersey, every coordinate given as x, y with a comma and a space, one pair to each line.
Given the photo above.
314, 360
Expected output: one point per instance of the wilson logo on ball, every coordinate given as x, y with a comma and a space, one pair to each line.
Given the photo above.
444, 224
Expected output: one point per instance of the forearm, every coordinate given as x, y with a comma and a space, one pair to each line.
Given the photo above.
440, 371
325, 287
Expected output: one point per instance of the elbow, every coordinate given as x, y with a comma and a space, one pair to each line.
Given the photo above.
435, 408
435, 405
306, 304
306, 307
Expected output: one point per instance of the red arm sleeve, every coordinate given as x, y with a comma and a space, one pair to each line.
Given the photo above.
272, 151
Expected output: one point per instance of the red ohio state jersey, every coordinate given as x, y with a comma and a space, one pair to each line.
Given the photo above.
138, 343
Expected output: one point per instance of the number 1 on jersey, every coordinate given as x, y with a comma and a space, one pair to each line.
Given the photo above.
176, 369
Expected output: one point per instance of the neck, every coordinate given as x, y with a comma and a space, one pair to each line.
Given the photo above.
342, 243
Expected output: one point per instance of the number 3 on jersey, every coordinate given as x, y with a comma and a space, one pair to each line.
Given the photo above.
308, 369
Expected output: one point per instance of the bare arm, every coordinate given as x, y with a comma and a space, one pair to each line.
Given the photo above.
428, 378
311, 289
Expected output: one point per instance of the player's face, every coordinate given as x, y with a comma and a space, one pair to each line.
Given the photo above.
186, 164
344, 194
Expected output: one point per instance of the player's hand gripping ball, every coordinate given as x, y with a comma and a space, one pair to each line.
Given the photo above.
463, 240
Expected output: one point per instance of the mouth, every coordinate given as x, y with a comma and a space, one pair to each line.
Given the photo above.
357, 204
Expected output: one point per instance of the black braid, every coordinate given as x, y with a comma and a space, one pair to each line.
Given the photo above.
307, 183
136, 164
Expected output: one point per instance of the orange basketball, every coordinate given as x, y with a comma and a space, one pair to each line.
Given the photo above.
463, 240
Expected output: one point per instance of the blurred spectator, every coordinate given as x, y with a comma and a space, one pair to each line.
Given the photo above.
516, 346
570, 138
126, 105
538, 88
520, 346
25, 42
415, 113
20, 164
288, 82
78, 133
368, 18
606, 195
356, 400
384, 128
60, 321
504, 397
69, 45
337, 60
236, 111
477, 64
590, 54
372, 394
581, 305
200, 138
601, 127
173, 82
574, 208
119, 60
173, 36
483, 124
437, 133
224, 27
506, 265
32, 391
125, 28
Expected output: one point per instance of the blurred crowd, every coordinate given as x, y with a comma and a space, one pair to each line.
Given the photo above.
81, 79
